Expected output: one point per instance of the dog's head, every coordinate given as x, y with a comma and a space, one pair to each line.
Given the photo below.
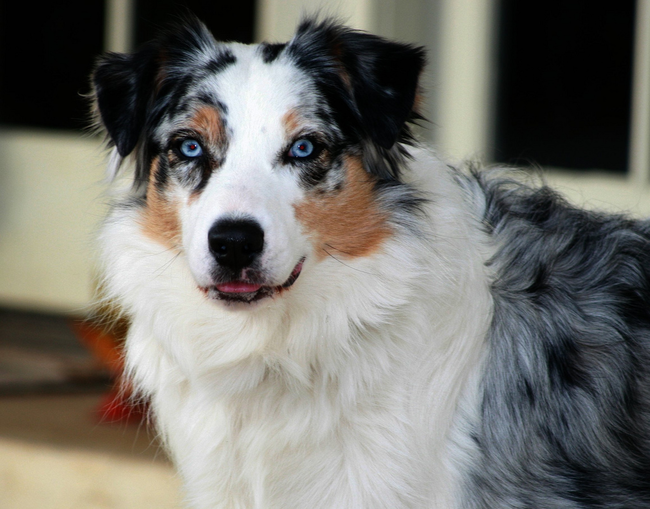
255, 160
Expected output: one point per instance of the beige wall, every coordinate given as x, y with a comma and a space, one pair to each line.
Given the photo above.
277, 19
50, 188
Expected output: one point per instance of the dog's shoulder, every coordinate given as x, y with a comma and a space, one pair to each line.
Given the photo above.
566, 396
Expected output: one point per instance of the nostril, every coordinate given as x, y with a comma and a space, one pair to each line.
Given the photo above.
235, 243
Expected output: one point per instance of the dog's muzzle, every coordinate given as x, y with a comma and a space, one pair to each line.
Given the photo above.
236, 245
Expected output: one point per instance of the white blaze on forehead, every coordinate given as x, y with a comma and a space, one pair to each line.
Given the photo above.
258, 95
251, 181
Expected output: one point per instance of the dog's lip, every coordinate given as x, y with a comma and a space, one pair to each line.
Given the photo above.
237, 287
247, 291
294, 274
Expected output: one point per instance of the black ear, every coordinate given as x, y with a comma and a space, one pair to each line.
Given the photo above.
384, 77
380, 76
122, 87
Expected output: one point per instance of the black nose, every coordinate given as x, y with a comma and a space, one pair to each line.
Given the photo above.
235, 243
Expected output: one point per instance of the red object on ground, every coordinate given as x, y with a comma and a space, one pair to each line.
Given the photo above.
117, 405
105, 346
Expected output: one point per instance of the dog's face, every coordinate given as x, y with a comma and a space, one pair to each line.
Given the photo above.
257, 161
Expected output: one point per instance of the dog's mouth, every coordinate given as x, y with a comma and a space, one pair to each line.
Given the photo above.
247, 292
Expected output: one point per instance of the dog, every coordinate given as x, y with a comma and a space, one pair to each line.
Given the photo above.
325, 314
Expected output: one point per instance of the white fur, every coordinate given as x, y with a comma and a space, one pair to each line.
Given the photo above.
350, 390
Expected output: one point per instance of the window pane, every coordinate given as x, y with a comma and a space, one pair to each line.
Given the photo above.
564, 83
47, 51
228, 20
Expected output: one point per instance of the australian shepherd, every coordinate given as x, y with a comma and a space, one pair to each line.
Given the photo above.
325, 315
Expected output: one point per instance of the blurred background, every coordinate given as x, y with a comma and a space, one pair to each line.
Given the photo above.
561, 85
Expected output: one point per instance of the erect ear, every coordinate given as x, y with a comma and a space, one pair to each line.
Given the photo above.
381, 76
122, 87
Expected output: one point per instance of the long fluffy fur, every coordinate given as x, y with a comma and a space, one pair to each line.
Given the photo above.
484, 346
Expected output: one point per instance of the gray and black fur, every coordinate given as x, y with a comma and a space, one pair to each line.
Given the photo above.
565, 411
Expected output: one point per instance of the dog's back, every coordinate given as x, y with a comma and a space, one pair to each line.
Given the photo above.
564, 418
324, 316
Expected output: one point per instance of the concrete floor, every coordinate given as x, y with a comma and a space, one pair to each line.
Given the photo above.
54, 454
54, 451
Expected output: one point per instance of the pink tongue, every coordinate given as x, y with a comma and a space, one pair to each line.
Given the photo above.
238, 287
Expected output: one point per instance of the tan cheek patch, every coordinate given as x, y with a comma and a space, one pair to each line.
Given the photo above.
348, 224
160, 221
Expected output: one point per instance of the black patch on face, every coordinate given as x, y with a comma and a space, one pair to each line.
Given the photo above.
399, 197
206, 98
162, 173
223, 108
270, 52
218, 64
175, 92
206, 170
209, 99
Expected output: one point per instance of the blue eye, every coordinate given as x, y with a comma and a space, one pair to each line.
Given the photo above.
301, 148
191, 148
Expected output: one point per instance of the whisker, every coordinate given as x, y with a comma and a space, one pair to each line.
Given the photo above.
165, 266
343, 263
